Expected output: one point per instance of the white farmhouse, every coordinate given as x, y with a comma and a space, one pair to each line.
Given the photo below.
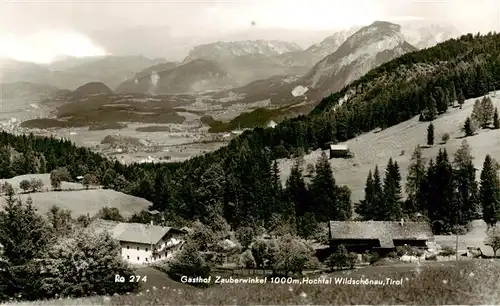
142, 243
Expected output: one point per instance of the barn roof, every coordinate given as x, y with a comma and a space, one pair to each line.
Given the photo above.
384, 231
131, 232
338, 147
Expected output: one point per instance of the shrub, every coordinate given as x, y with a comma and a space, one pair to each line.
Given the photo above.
341, 259
246, 260
89, 179
83, 220
447, 251
202, 236
313, 263
408, 250
393, 255
289, 254
261, 252
245, 236
431, 257
72, 266
493, 238
445, 137
25, 185
224, 249
370, 257
57, 176
190, 263
110, 213
36, 184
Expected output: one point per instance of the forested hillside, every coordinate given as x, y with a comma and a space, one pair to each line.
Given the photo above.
240, 182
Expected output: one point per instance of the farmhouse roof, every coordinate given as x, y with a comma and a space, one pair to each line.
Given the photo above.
338, 147
140, 233
131, 232
384, 231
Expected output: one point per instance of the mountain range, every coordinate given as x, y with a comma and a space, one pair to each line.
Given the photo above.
71, 73
191, 77
366, 49
323, 67
362, 51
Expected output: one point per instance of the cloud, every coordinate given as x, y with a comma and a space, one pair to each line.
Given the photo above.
44, 46
72, 25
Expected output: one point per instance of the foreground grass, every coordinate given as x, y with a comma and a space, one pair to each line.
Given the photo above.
468, 282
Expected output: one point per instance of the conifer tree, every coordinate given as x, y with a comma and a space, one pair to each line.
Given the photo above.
323, 191
414, 180
433, 111
487, 111
428, 192
378, 193
453, 91
430, 134
5, 169
441, 103
496, 121
482, 112
465, 178
296, 190
275, 178
461, 99
476, 111
344, 203
442, 205
391, 210
24, 234
469, 127
365, 207
489, 192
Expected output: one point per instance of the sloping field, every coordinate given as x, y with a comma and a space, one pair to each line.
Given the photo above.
372, 149
79, 201
45, 177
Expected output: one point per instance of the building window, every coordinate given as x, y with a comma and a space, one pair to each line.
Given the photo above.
137, 248
138, 259
146, 259
146, 249
128, 247
128, 257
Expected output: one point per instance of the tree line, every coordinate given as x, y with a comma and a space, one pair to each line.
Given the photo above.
444, 192
239, 181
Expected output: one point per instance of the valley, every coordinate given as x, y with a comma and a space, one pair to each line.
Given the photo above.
174, 111
371, 154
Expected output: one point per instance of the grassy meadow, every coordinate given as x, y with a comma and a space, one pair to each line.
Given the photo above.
431, 283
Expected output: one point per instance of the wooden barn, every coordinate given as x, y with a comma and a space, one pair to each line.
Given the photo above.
339, 151
379, 236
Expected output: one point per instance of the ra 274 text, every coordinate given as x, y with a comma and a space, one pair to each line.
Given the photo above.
131, 278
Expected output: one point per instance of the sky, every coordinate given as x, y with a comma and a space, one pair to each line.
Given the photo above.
40, 31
